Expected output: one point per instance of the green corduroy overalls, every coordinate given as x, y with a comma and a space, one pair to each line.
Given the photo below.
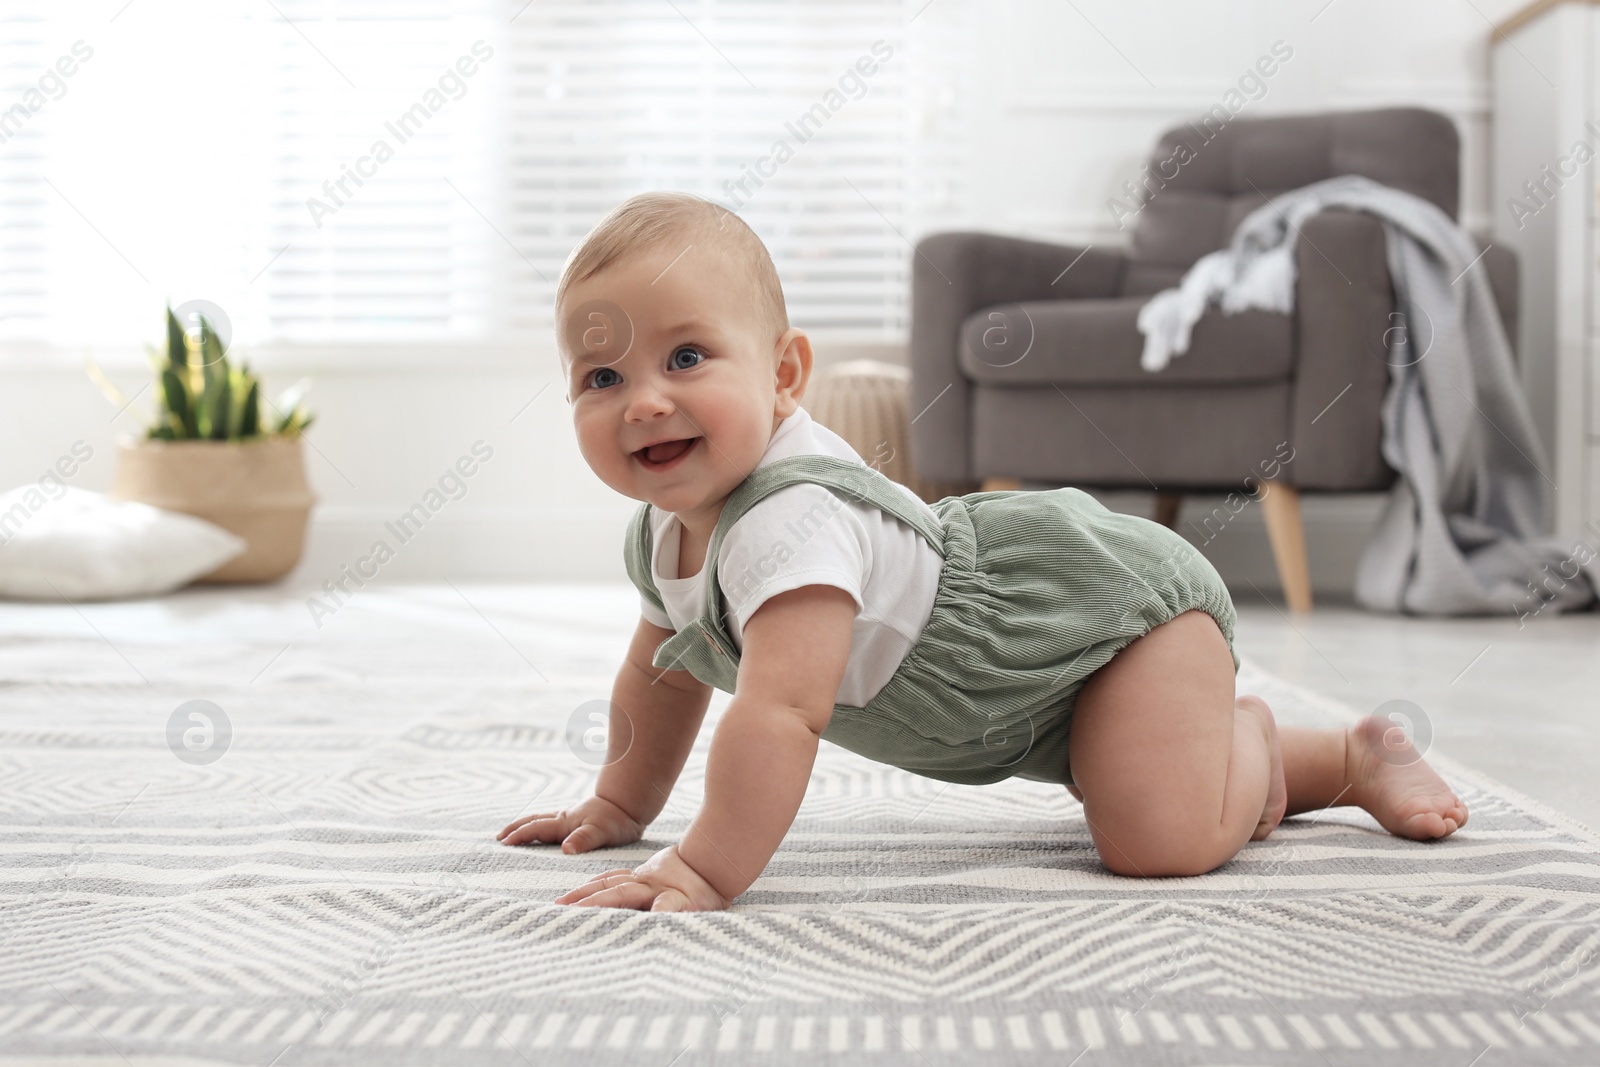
1039, 589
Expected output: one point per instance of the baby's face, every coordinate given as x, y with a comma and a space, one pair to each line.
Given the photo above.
660, 347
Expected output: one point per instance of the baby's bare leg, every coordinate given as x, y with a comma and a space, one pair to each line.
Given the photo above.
1175, 775
1313, 767
1370, 765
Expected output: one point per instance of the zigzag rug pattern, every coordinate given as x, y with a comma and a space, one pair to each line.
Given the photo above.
330, 890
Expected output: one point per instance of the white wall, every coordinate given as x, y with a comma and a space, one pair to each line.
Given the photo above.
1068, 115
1064, 110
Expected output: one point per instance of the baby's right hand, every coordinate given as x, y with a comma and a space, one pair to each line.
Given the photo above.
593, 823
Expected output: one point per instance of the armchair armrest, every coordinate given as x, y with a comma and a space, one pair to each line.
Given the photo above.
955, 274
1344, 312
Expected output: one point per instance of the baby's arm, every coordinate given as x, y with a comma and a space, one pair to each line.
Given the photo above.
796, 645
664, 709
655, 718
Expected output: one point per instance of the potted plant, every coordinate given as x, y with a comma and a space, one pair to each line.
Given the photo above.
212, 452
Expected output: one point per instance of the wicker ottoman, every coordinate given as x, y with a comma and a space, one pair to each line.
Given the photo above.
866, 402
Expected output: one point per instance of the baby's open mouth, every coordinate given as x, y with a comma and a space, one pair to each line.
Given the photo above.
665, 453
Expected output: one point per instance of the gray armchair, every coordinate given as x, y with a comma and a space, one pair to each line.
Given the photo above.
1025, 354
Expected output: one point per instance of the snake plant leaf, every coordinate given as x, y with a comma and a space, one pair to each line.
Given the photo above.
238, 387
296, 421
205, 400
219, 397
178, 403
177, 347
250, 416
210, 344
289, 399
204, 396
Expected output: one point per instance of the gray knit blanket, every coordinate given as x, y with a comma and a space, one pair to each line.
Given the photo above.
1461, 533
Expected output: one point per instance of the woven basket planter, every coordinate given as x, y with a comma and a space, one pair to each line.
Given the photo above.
256, 489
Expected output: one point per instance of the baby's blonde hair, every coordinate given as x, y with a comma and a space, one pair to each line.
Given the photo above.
649, 220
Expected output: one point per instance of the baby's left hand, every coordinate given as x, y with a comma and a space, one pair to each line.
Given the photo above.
664, 882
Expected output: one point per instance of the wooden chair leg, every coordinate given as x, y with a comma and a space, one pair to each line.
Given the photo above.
991, 485
1280, 505
1167, 507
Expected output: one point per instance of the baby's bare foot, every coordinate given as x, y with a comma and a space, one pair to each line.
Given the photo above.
1277, 788
1389, 778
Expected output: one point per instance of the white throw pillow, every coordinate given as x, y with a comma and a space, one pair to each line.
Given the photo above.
84, 545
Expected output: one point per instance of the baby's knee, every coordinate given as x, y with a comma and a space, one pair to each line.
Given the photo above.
1163, 855
1165, 865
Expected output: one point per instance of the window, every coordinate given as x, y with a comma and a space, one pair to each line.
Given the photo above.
418, 170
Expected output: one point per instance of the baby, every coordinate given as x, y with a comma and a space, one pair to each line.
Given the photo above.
1030, 633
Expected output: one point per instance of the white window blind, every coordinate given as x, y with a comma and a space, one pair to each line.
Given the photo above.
330, 172
31, 89
612, 99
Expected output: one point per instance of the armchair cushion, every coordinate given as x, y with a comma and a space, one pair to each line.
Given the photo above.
1160, 437
1097, 342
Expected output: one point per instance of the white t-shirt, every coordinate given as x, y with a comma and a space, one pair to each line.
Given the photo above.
807, 534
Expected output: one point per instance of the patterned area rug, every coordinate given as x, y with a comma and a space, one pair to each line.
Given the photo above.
327, 887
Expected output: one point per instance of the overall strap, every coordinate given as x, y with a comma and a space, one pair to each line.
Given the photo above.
636, 553
857, 480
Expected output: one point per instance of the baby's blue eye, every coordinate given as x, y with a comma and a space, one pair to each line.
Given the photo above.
596, 381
